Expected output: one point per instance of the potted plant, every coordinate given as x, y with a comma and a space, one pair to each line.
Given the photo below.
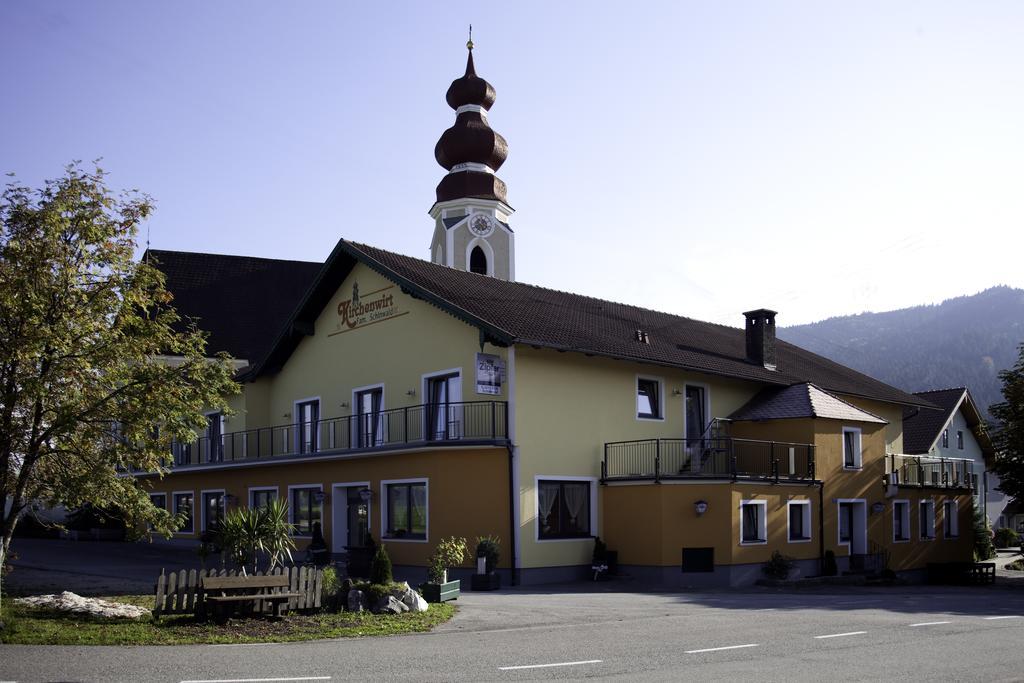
604, 561
488, 551
450, 552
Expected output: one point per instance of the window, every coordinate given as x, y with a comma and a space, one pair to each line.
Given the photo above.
950, 519
901, 520
960, 439
444, 412
406, 510
799, 521
369, 420
308, 418
259, 498
851, 448
648, 398
563, 509
159, 500
183, 505
945, 438
478, 261
213, 510
927, 511
215, 437
182, 453
753, 522
305, 508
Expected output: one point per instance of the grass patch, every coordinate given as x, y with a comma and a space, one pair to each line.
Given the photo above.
32, 626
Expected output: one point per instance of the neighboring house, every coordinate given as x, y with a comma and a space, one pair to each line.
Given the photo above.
416, 400
954, 433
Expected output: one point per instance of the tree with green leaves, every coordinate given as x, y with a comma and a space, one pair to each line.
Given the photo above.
1008, 438
97, 372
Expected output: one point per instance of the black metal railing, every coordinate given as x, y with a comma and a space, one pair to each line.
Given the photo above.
729, 457
413, 426
920, 470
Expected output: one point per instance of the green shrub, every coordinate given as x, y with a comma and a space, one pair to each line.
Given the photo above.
778, 567
489, 548
1006, 538
374, 592
830, 567
331, 590
380, 567
450, 552
983, 548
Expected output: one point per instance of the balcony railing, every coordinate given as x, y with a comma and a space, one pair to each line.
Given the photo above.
724, 457
920, 470
411, 427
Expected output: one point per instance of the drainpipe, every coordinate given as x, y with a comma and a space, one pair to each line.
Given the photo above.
821, 528
512, 514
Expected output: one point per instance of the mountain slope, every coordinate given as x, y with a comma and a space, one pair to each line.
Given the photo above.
964, 341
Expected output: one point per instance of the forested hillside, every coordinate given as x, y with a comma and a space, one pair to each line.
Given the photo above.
964, 341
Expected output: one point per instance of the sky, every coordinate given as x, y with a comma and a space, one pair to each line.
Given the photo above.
701, 158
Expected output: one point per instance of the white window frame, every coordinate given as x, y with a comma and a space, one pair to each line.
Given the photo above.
921, 518
202, 502
858, 459
384, 510
660, 382
762, 522
952, 523
905, 518
536, 508
174, 510
291, 511
254, 489
298, 432
806, 505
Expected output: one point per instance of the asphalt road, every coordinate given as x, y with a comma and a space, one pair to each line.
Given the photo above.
910, 633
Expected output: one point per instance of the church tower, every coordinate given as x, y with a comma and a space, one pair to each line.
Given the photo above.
471, 214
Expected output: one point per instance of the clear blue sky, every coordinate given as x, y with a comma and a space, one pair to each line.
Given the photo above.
819, 158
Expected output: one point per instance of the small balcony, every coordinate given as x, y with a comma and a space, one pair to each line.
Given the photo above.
709, 458
479, 423
929, 472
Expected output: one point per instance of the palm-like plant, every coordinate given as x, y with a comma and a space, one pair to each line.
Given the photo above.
246, 533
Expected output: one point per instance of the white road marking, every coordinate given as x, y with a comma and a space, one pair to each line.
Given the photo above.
931, 623
727, 647
1009, 616
544, 666
258, 680
841, 635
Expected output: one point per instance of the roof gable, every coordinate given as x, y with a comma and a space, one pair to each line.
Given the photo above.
801, 401
923, 427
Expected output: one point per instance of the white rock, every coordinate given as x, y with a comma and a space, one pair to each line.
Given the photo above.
390, 605
416, 603
76, 604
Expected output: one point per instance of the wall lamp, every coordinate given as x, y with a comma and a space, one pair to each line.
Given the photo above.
411, 392
701, 506
677, 392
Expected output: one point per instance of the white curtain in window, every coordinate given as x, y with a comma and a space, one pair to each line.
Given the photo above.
546, 495
419, 506
575, 497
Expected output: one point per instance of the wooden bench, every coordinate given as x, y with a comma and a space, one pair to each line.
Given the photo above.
223, 592
962, 573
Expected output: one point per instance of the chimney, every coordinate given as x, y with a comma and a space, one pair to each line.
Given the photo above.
761, 337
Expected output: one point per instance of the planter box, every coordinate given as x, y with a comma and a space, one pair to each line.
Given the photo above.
440, 592
485, 582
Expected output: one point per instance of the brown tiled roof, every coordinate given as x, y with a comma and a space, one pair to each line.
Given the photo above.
518, 313
241, 301
801, 400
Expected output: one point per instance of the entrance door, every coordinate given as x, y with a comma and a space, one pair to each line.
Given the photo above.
444, 411
853, 526
350, 519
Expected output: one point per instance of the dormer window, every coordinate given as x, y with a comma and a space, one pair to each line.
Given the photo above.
478, 261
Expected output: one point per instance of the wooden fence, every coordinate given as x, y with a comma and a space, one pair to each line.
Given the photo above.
181, 592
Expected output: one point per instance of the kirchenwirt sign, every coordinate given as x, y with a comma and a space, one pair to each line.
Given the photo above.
366, 309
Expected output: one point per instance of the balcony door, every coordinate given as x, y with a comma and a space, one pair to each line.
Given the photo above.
369, 430
307, 415
215, 437
444, 409
695, 422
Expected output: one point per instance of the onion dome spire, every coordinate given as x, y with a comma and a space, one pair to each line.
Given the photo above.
470, 150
